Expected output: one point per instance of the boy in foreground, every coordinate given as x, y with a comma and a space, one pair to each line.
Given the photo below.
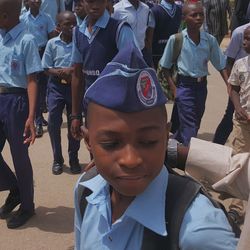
127, 135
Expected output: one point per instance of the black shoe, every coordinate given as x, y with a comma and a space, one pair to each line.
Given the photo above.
39, 131
57, 168
75, 167
44, 123
19, 218
11, 202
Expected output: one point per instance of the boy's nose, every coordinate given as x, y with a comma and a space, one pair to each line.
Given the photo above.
130, 157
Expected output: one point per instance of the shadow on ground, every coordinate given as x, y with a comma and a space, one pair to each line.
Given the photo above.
56, 220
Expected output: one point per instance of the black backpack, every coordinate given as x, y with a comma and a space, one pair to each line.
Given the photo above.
175, 210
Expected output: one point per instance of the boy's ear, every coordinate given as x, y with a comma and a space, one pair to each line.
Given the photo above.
85, 133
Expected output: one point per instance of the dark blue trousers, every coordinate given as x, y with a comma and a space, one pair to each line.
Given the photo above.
41, 98
190, 101
225, 127
59, 96
13, 115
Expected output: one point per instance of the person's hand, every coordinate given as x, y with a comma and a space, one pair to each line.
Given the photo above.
76, 129
241, 114
29, 133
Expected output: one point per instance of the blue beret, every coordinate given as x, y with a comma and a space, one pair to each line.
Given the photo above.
126, 84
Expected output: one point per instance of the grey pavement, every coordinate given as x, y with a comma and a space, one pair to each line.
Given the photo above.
52, 226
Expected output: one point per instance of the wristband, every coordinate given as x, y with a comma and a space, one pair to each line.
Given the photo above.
75, 117
172, 153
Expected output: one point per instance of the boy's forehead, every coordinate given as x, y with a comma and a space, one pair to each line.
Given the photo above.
192, 7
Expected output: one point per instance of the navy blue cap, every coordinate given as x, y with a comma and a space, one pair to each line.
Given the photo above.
126, 84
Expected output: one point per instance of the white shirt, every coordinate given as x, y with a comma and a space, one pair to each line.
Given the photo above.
139, 19
240, 76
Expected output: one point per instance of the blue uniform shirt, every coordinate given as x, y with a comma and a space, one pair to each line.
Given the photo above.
52, 7
57, 54
193, 59
39, 26
125, 35
204, 227
19, 57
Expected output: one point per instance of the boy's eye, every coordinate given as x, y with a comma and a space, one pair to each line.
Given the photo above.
109, 145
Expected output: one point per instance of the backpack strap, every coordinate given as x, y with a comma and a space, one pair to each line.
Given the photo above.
178, 42
181, 192
84, 192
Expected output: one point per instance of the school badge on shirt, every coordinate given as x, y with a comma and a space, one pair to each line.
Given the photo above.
146, 89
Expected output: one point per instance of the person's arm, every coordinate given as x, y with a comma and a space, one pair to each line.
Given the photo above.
168, 76
240, 113
29, 129
230, 64
77, 88
224, 76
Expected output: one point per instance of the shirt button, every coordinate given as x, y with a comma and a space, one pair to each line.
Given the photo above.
110, 238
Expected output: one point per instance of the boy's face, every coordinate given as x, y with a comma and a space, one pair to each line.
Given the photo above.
34, 4
95, 8
80, 9
194, 17
246, 40
128, 148
67, 24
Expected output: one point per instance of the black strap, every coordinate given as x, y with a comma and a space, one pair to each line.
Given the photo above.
181, 191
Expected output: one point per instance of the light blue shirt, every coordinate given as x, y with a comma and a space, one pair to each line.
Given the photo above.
78, 20
52, 8
204, 227
235, 48
193, 59
139, 19
19, 57
39, 26
57, 54
125, 35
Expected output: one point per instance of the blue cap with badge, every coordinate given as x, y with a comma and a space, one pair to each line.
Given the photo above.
126, 84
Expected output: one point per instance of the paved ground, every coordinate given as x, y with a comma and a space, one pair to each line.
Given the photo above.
52, 227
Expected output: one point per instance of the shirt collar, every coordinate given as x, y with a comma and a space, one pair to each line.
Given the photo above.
29, 14
127, 4
203, 35
167, 5
152, 216
14, 32
101, 22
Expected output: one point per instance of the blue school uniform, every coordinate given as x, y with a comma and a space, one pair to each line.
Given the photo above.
164, 13
52, 7
39, 26
202, 220
57, 55
192, 84
19, 58
98, 48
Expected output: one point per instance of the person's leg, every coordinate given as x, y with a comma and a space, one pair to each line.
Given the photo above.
73, 145
225, 127
56, 105
240, 143
190, 101
17, 114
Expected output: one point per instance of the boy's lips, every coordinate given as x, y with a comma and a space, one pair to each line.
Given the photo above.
131, 177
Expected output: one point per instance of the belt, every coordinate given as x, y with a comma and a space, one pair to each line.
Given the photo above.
59, 80
189, 79
12, 90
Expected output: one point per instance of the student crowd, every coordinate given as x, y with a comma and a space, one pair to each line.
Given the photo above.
62, 54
